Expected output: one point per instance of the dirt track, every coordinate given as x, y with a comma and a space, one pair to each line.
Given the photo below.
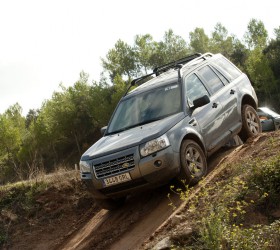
127, 227
134, 223
67, 218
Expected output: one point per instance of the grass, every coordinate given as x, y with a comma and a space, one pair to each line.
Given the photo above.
17, 200
235, 212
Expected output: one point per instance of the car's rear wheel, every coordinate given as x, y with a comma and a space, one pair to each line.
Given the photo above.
193, 162
110, 204
251, 125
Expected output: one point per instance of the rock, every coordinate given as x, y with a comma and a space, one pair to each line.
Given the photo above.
9, 214
176, 219
186, 233
164, 244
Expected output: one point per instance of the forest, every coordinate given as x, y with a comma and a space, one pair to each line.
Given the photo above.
58, 133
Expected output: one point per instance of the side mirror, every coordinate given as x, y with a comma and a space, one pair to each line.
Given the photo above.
201, 101
103, 130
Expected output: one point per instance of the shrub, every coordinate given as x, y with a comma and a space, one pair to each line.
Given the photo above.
220, 208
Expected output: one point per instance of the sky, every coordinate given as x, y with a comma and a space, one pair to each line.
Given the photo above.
47, 42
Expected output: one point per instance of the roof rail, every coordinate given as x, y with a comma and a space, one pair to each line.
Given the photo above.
135, 81
202, 56
174, 64
178, 64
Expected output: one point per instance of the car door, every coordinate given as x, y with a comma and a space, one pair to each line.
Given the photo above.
207, 120
230, 94
226, 93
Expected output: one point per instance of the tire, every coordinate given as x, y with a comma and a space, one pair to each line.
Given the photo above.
193, 163
110, 204
251, 125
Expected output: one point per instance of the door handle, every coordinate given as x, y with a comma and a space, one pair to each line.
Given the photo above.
232, 91
215, 105
193, 122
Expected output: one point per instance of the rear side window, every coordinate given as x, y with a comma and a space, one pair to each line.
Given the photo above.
228, 67
211, 78
223, 79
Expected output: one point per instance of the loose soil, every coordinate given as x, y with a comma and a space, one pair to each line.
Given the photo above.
66, 216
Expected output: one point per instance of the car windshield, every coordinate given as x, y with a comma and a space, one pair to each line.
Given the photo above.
146, 107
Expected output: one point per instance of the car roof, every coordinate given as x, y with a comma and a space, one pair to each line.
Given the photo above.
170, 73
162, 79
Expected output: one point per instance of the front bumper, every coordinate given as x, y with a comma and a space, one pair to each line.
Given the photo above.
149, 172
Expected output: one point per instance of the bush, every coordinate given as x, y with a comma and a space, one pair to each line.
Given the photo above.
225, 205
265, 179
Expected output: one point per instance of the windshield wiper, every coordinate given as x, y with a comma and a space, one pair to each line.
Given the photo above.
136, 125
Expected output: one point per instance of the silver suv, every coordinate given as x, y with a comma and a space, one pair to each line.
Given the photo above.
168, 126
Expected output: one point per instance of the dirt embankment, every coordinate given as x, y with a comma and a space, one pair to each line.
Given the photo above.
65, 216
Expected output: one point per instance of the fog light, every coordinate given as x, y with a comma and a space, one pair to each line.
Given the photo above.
157, 163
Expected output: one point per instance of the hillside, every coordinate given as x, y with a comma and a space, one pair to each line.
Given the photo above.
235, 206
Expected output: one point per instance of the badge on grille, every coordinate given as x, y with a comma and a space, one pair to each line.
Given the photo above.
125, 165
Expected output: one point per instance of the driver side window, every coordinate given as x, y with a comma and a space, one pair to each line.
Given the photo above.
194, 89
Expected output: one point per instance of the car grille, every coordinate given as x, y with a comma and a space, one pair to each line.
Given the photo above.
113, 167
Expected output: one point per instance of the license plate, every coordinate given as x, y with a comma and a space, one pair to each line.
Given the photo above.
116, 179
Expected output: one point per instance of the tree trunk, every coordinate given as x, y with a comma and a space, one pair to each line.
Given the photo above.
77, 143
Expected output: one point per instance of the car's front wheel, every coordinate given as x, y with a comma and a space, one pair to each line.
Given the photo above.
251, 125
193, 162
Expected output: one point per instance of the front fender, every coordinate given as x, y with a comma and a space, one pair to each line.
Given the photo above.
182, 131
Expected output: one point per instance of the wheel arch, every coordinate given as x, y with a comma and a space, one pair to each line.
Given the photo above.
247, 99
195, 138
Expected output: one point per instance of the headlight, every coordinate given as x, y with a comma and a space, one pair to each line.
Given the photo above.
84, 167
154, 145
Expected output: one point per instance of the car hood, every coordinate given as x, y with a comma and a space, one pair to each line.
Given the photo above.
130, 138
